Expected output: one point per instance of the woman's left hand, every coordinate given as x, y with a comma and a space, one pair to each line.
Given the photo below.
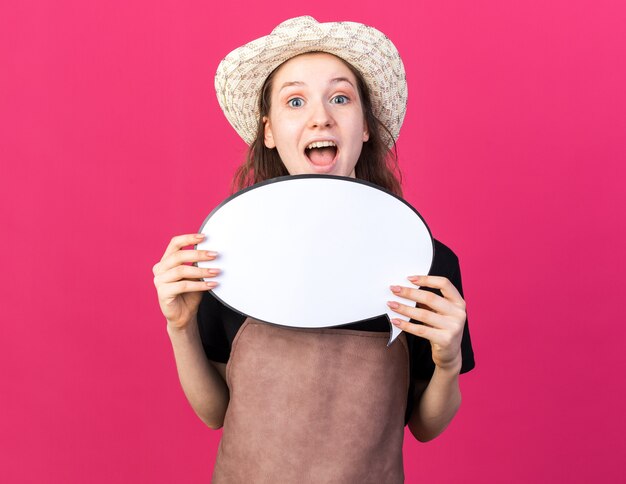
443, 318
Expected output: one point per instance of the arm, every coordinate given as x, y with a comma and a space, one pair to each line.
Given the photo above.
202, 381
437, 402
180, 287
443, 318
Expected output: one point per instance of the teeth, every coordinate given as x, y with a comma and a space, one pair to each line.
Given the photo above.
320, 144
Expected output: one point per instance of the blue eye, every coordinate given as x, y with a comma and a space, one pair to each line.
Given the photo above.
296, 102
341, 99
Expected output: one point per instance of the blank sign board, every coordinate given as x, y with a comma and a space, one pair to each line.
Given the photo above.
315, 251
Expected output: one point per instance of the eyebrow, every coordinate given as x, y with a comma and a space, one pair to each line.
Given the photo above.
335, 80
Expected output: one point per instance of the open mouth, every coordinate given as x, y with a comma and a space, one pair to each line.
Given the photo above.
321, 153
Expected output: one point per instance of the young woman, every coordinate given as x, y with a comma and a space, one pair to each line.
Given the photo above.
326, 405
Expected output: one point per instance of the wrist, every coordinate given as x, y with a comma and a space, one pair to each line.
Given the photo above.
186, 330
452, 368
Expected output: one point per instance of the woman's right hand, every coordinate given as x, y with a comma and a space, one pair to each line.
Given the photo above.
180, 285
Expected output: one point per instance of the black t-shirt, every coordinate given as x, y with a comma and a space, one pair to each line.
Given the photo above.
219, 325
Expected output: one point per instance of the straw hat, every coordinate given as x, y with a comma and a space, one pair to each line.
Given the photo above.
241, 74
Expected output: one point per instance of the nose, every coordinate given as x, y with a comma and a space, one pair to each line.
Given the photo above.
320, 116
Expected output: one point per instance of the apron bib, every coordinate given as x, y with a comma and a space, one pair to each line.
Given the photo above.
313, 406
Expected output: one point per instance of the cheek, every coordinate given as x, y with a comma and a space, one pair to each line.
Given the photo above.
284, 127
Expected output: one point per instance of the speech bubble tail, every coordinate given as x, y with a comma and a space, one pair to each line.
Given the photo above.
393, 333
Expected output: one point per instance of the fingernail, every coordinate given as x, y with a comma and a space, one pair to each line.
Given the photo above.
413, 278
393, 304
395, 289
211, 284
199, 236
213, 271
395, 322
210, 253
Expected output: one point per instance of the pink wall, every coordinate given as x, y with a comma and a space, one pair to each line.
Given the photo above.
111, 142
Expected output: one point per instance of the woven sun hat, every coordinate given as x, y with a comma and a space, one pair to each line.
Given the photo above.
241, 74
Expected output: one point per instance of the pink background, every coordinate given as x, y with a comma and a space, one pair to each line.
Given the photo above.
111, 142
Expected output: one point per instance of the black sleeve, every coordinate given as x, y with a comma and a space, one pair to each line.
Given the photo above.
212, 331
446, 264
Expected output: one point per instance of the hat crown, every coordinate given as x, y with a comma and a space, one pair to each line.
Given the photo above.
296, 22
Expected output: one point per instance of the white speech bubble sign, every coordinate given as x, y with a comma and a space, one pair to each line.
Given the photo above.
315, 251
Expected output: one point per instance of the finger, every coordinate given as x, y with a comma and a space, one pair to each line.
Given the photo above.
181, 241
426, 298
440, 337
448, 290
183, 256
419, 314
420, 330
185, 272
171, 290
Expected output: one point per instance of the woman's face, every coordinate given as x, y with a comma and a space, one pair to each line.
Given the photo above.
316, 119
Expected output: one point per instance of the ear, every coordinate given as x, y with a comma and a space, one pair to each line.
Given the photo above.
366, 132
268, 138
